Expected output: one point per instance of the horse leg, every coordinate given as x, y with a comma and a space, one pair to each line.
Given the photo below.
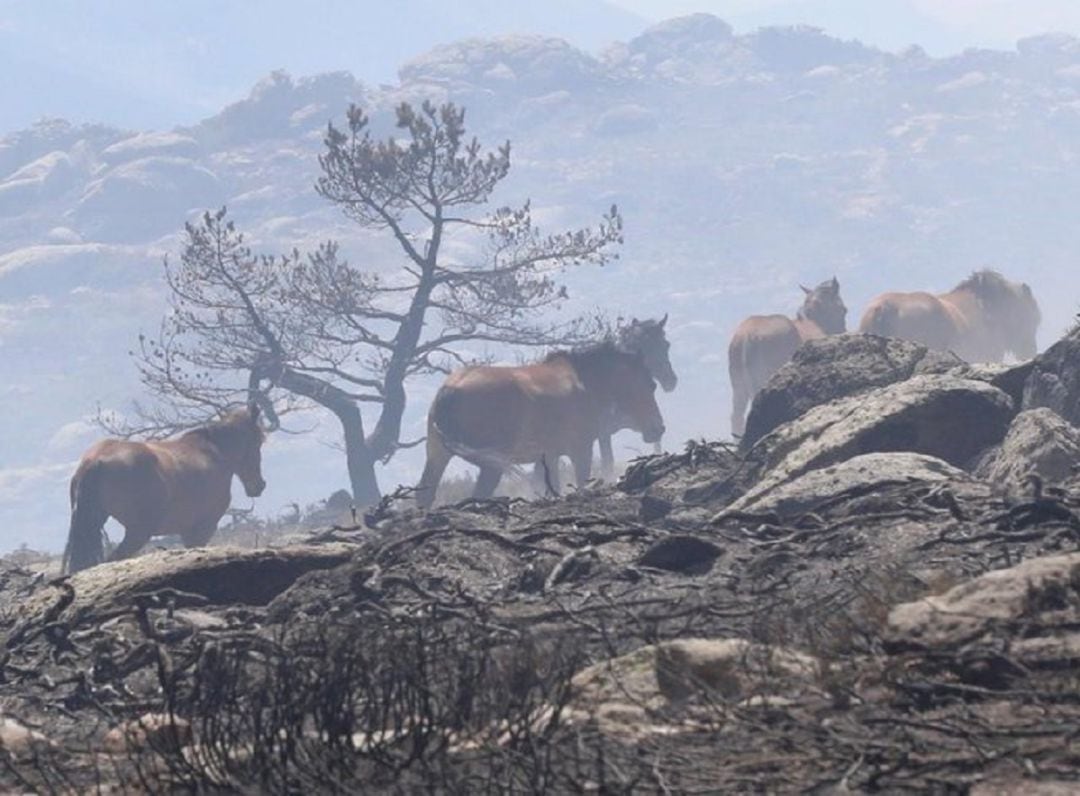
739, 399
546, 475
438, 457
199, 535
84, 546
741, 392
582, 460
487, 481
607, 458
132, 543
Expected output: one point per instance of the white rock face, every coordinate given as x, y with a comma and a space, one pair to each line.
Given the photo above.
1039, 442
943, 416
156, 144
1040, 594
149, 195
870, 472
837, 367
630, 693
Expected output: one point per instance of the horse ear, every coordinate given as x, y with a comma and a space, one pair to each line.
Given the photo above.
805, 289
835, 283
663, 321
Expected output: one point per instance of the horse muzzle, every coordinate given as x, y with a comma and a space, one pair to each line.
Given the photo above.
256, 489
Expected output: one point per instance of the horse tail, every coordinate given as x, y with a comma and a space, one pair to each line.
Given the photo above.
741, 382
85, 544
880, 319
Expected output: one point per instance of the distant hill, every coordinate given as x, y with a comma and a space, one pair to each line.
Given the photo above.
160, 64
743, 165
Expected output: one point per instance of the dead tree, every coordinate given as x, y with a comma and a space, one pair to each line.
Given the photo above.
316, 330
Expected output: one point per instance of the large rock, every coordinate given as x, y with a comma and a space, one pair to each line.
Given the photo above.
869, 473
1054, 379
836, 367
1034, 607
1039, 442
19, 742
629, 694
950, 418
146, 197
216, 575
530, 64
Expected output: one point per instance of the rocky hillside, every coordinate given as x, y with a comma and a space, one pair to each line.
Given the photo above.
881, 594
742, 163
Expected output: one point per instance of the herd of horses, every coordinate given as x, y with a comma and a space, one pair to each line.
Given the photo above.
499, 417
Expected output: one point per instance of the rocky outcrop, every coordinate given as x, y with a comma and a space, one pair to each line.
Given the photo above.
158, 732
1039, 442
210, 575
531, 64
146, 196
836, 367
1035, 605
942, 416
866, 474
1054, 379
19, 742
632, 693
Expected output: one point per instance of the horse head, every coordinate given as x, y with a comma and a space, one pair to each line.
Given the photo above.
1010, 311
634, 395
1024, 327
648, 339
247, 443
823, 306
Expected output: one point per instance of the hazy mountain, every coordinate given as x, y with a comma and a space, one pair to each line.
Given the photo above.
743, 165
161, 64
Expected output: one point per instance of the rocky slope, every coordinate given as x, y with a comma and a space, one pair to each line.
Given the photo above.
838, 608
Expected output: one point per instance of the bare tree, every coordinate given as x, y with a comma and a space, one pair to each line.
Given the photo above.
314, 329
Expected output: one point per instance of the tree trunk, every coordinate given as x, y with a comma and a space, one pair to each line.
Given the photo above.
359, 456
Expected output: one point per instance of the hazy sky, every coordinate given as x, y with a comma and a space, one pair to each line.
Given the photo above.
157, 64
941, 26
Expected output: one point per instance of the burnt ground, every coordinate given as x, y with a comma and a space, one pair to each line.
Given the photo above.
436, 652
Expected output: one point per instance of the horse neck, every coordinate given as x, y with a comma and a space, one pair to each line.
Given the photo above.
980, 337
808, 329
965, 308
219, 441
594, 367
628, 339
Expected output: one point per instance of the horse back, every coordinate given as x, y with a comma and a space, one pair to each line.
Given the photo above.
919, 316
516, 412
761, 344
162, 486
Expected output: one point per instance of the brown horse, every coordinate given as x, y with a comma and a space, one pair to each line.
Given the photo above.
495, 417
763, 343
176, 486
980, 320
646, 338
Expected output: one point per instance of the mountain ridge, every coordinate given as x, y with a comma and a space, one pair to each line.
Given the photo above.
743, 163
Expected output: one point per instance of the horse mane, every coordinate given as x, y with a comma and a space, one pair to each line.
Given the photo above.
223, 430
585, 354
986, 281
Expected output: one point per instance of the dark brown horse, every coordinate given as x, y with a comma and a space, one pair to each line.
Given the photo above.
762, 344
496, 417
980, 320
648, 339
175, 486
